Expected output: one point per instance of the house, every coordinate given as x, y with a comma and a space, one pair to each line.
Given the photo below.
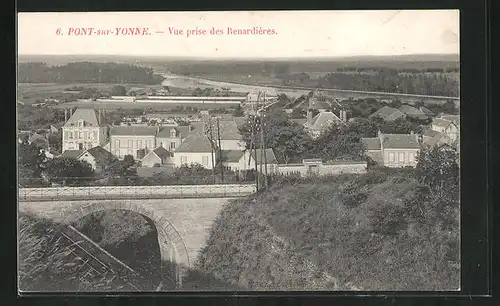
325, 118
316, 167
159, 156
170, 137
230, 137
132, 140
393, 150
248, 159
39, 140
196, 149
97, 157
413, 112
55, 128
83, 131
449, 126
432, 138
322, 122
231, 159
388, 114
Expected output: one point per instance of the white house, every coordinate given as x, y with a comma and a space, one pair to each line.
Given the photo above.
196, 149
449, 126
247, 160
83, 131
97, 157
230, 137
132, 140
159, 156
393, 150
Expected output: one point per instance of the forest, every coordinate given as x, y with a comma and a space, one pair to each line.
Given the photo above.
86, 72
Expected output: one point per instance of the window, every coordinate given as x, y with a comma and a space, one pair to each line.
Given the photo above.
117, 143
95, 135
80, 123
183, 159
411, 157
139, 144
391, 157
80, 135
66, 135
172, 133
172, 145
130, 144
205, 161
70, 135
401, 157
148, 144
87, 135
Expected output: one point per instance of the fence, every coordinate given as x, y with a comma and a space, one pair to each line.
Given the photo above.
136, 192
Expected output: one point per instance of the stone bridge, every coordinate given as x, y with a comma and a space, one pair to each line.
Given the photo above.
182, 224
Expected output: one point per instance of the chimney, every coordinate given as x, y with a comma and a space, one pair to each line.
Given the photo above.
65, 114
344, 115
381, 138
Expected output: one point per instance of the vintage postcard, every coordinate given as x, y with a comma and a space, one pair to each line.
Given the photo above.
242, 150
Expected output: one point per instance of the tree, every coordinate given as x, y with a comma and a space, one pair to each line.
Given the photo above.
31, 161
297, 113
69, 170
238, 112
55, 141
339, 143
118, 90
438, 168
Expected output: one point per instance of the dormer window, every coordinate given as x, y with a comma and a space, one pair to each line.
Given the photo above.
172, 133
80, 123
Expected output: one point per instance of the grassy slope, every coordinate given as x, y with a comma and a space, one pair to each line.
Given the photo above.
314, 236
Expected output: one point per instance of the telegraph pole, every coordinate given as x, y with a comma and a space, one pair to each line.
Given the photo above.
253, 145
266, 182
220, 152
211, 145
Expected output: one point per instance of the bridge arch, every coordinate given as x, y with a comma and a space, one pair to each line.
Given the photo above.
172, 246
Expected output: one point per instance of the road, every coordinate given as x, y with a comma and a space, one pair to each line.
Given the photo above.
291, 91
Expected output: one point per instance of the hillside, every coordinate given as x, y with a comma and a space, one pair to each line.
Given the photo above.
379, 231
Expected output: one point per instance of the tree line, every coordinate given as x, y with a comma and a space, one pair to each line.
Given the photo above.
86, 72
421, 83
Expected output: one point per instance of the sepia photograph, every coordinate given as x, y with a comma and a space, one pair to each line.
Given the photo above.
238, 151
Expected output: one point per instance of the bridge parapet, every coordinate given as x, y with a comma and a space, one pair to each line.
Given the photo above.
136, 192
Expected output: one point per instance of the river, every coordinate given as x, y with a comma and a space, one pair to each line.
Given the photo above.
193, 82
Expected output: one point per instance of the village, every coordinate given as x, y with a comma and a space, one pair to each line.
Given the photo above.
154, 144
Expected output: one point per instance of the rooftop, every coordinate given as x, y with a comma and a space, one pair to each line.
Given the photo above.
72, 153
324, 120
88, 116
195, 142
232, 156
385, 112
270, 158
371, 143
400, 141
162, 153
133, 131
101, 155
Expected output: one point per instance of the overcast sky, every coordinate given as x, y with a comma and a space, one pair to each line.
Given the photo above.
299, 33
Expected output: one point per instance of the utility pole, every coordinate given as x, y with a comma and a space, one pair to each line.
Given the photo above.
211, 145
266, 182
253, 145
220, 152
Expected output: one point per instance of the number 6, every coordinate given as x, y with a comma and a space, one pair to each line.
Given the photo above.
58, 31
